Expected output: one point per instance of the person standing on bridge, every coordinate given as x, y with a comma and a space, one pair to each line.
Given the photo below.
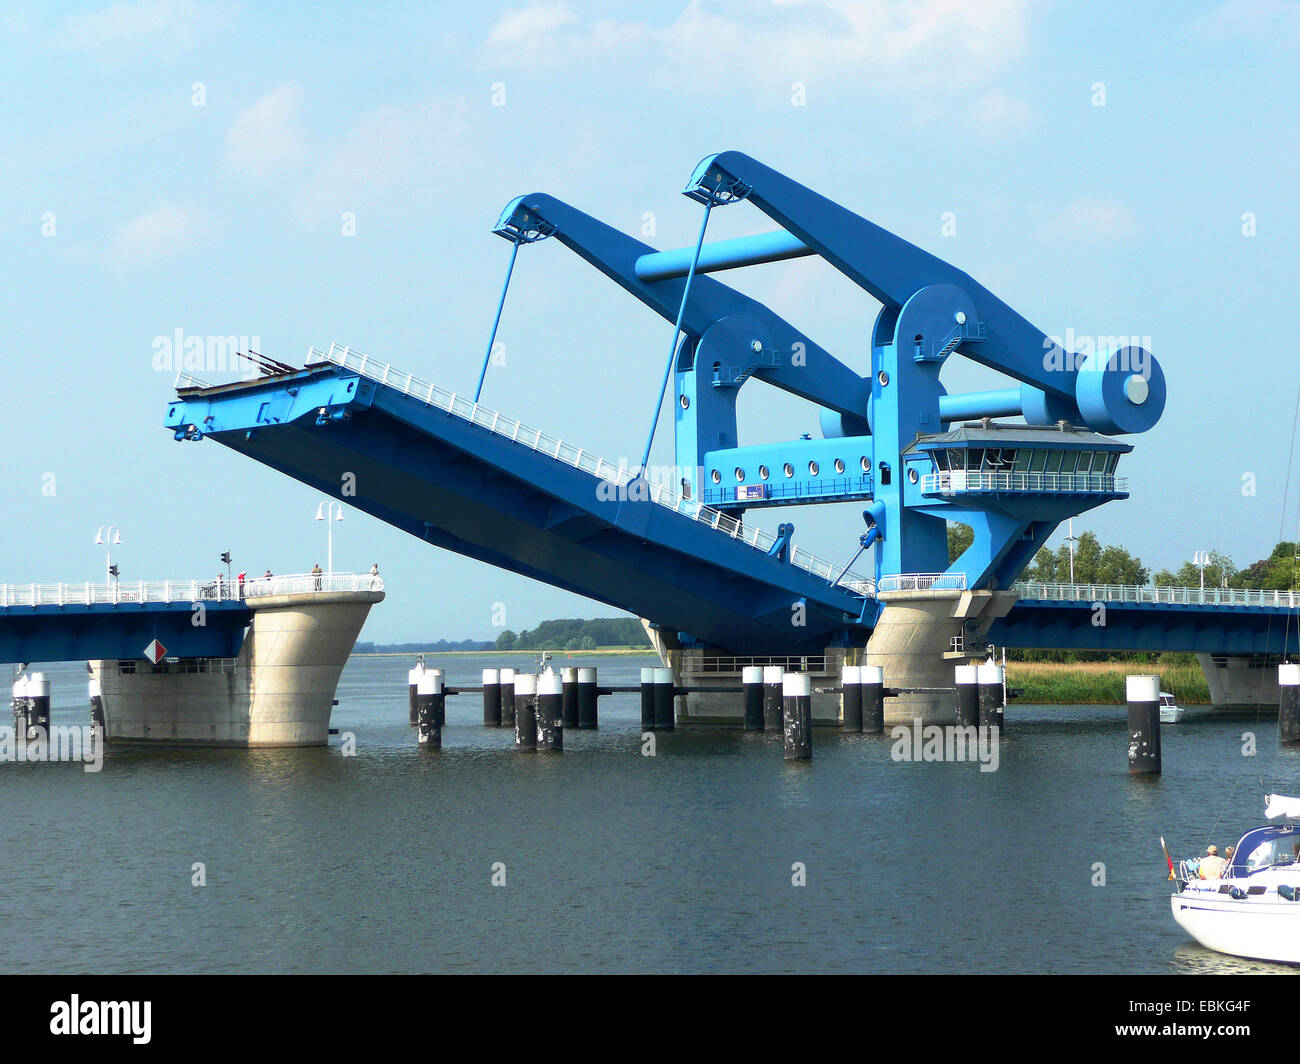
240, 579
374, 575
317, 572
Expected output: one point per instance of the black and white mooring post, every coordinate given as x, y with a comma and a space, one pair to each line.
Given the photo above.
38, 705
990, 684
647, 700
772, 681
587, 712
665, 716
752, 679
525, 711
873, 699
550, 711
429, 700
968, 696
851, 699
19, 704
569, 696
491, 698
796, 691
1143, 694
507, 698
1288, 706
96, 706
413, 682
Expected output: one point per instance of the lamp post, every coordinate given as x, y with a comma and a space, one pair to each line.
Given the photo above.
330, 511
1071, 540
1201, 558
111, 536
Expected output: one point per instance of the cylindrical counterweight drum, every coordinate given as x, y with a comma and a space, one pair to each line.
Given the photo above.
507, 698
491, 698
665, 718
550, 711
647, 700
587, 712
1143, 695
1288, 708
569, 697
772, 713
968, 696
752, 678
796, 689
525, 711
851, 699
429, 699
990, 683
873, 699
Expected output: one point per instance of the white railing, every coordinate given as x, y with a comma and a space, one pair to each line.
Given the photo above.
553, 447
1173, 596
957, 481
186, 380
128, 592
923, 582
299, 583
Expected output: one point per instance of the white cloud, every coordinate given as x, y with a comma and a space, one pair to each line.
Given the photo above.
155, 235
126, 20
532, 22
864, 41
265, 136
1093, 221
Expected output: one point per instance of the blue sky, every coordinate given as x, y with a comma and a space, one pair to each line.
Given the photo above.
170, 165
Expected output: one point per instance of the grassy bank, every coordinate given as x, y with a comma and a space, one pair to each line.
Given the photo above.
1101, 682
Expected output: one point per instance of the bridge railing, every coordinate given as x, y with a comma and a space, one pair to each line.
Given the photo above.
923, 582
620, 476
300, 583
1173, 596
128, 592
1070, 483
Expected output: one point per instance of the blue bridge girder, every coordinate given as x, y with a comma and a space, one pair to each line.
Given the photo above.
456, 483
80, 632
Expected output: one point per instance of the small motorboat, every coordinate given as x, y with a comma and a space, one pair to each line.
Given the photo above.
1170, 711
1253, 909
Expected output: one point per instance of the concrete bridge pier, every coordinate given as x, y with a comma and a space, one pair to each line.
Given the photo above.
1241, 681
919, 637
278, 691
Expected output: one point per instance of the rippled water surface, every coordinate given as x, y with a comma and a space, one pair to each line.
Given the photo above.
382, 862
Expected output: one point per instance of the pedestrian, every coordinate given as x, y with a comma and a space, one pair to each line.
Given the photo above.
374, 576
317, 572
241, 585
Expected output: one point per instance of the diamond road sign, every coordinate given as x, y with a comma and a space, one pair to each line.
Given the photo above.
155, 651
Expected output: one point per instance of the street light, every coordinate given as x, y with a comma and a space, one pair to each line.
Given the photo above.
1201, 558
110, 535
326, 512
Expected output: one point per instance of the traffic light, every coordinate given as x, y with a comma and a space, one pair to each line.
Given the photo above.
225, 557
112, 570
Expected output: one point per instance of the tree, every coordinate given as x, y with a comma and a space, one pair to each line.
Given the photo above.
1219, 572
959, 538
506, 640
1277, 572
1093, 564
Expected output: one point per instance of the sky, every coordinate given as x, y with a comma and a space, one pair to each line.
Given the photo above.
303, 174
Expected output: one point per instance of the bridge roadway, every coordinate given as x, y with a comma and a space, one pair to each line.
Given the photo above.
190, 618
467, 478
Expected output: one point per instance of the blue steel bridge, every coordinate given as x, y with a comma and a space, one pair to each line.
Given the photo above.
896, 452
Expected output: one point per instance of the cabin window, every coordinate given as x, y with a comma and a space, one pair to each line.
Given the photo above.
1037, 460
1111, 462
940, 460
1053, 462
956, 459
1021, 464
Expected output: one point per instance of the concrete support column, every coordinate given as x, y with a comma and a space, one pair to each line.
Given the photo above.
797, 713
587, 711
752, 680
991, 696
491, 699
550, 711
968, 696
507, 698
772, 687
665, 718
647, 700
569, 697
873, 699
525, 711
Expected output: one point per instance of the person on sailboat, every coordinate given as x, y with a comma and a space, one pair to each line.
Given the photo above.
1212, 865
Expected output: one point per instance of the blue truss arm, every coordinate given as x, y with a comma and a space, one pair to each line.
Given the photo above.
821, 378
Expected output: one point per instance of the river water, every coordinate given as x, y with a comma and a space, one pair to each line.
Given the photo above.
315, 861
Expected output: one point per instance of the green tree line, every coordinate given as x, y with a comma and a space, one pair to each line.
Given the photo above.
575, 634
